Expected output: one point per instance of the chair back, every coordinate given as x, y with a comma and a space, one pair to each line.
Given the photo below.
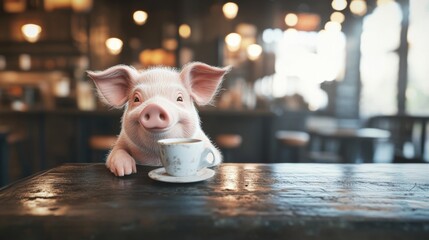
408, 135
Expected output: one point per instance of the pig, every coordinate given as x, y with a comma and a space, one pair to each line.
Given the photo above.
158, 103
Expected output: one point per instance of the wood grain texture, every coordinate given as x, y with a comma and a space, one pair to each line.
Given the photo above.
242, 201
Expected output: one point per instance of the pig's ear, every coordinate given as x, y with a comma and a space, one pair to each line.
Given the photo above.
202, 80
113, 84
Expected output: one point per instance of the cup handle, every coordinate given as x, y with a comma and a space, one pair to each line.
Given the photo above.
203, 160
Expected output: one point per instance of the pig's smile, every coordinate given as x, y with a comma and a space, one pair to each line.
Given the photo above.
158, 132
178, 129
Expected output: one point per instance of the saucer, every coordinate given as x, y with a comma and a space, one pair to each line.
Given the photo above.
160, 174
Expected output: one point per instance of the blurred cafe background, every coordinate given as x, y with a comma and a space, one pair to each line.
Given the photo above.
327, 81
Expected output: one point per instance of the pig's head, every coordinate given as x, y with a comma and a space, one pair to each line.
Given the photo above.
159, 102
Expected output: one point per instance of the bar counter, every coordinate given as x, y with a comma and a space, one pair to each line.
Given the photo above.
242, 201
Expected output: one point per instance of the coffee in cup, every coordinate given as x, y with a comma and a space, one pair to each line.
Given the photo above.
182, 157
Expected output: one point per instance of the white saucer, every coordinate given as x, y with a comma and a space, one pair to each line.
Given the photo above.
159, 174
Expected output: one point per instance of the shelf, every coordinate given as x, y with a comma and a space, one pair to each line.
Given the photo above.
42, 48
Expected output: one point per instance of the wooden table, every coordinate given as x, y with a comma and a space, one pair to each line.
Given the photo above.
351, 142
242, 201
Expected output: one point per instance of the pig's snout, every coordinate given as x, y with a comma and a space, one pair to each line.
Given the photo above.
154, 117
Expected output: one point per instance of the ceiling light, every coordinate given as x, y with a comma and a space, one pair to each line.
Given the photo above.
339, 5
230, 10
185, 31
140, 17
254, 51
233, 41
114, 45
358, 7
337, 17
31, 32
291, 19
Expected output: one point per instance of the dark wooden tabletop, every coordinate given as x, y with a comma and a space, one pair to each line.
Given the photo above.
242, 201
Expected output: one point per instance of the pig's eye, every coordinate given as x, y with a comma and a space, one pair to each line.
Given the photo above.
179, 99
136, 99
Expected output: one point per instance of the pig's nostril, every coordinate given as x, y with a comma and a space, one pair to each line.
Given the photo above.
146, 116
162, 117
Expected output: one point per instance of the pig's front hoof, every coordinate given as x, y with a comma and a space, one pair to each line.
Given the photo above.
122, 171
121, 165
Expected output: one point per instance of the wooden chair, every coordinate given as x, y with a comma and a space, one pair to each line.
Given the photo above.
13, 145
406, 133
227, 143
4, 156
293, 144
100, 145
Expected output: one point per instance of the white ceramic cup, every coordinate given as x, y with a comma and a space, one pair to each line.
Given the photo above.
182, 157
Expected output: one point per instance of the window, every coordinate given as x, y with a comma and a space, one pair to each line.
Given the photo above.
417, 93
305, 59
379, 60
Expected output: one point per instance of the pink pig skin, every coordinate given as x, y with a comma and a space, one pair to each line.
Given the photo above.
159, 103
